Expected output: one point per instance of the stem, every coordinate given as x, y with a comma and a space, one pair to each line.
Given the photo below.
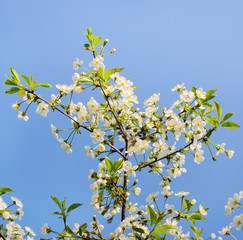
72, 137
2, 236
28, 107
94, 54
232, 236
65, 223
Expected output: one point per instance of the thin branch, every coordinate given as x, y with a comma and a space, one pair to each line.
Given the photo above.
59, 110
117, 150
171, 154
113, 112
2, 236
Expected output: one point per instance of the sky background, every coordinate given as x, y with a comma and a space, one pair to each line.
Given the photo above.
160, 44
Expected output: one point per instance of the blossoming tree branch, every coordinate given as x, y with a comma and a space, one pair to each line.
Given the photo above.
126, 140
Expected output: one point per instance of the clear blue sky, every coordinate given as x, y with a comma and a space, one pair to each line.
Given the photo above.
160, 43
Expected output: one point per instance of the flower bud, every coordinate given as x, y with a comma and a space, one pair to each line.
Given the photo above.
94, 218
113, 50
105, 41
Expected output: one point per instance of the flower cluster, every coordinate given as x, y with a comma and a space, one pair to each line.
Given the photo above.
11, 229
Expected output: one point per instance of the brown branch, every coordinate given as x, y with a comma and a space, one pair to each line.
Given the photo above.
59, 110
2, 236
113, 112
117, 150
179, 150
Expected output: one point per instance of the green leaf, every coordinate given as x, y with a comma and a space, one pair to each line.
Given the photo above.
33, 85
57, 201
64, 204
160, 217
157, 236
117, 165
101, 72
219, 109
47, 85
197, 216
210, 92
152, 215
97, 40
5, 190
187, 204
68, 234
210, 95
10, 82
89, 31
140, 230
161, 228
25, 78
15, 75
12, 90
73, 206
108, 164
166, 227
56, 213
111, 71
212, 120
230, 125
21, 92
82, 228
194, 229
227, 116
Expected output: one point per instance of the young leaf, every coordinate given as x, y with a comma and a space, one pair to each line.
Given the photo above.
10, 82
187, 204
57, 201
230, 125
73, 206
12, 90
101, 72
139, 230
212, 120
25, 78
47, 85
111, 71
152, 214
227, 116
108, 164
157, 236
97, 40
161, 228
4, 190
56, 213
82, 228
210, 95
197, 216
21, 92
219, 110
64, 204
15, 75
117, 165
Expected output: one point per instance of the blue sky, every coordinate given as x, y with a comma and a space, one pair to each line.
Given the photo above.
160, 44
